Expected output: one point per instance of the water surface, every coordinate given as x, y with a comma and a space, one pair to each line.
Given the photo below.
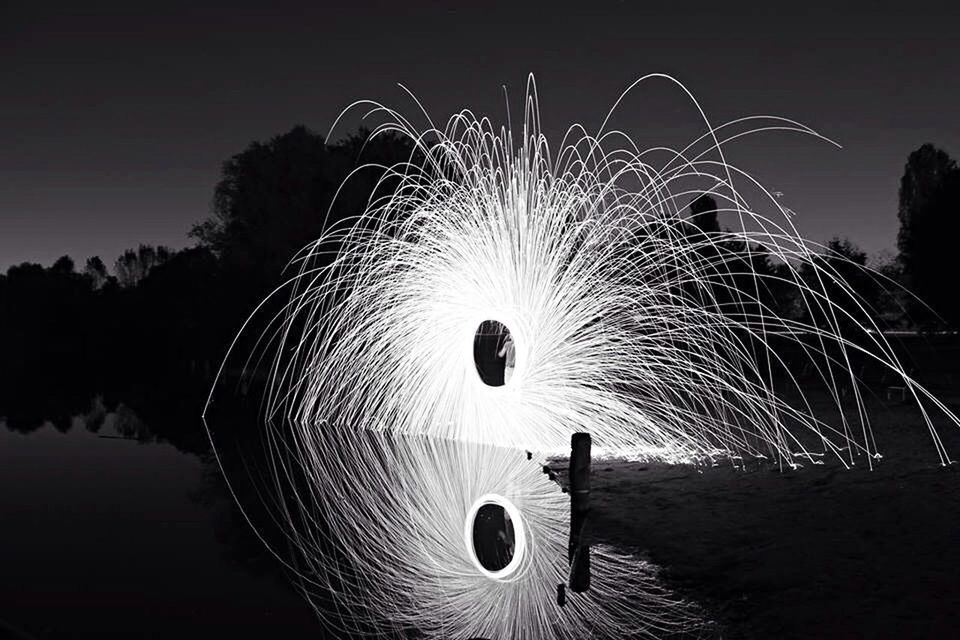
118, 532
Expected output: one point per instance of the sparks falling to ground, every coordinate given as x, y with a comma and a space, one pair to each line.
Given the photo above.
617, 314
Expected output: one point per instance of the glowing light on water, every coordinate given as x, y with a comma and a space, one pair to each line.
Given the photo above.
519, 533
382, 537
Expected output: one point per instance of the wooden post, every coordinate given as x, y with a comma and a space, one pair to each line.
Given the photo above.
579, 549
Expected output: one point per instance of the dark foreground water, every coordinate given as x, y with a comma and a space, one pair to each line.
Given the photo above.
116, 533
114, 524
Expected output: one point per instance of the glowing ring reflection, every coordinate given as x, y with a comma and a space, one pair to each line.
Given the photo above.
519, 535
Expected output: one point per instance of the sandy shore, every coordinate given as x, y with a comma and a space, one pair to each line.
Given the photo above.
820, 552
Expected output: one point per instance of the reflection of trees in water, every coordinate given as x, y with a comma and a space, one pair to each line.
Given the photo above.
27, 410
177, 424
98, 415
125, 423
238, 541
260, 523
94, 419
163, 411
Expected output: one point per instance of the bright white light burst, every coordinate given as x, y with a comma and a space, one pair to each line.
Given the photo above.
628, 322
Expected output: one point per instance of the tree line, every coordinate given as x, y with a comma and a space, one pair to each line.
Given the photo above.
157, 318
157, 321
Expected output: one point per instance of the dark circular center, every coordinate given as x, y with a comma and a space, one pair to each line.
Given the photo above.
494, 353
493, 537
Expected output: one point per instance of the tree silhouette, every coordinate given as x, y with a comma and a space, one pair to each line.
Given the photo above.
846, 262
847, 259
96, 271
703, 214
133, 266
269, 199
729, 267
63, 266
275, 197
929, 227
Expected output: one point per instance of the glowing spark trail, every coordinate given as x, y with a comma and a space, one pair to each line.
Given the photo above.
627, 320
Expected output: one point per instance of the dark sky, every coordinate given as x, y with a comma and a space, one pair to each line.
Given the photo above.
116, 117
